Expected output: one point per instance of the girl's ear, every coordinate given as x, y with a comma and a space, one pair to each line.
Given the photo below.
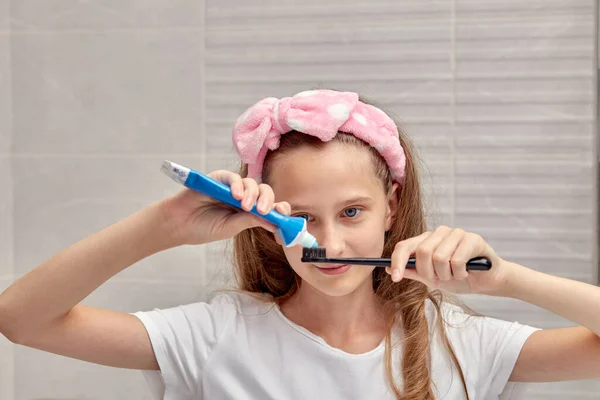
392, 205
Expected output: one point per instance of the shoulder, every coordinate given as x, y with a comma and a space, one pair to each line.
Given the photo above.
447, 312
241, 303
461, 325
208, 318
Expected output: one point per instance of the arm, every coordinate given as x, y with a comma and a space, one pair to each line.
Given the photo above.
548, 355
41, 309
557, 354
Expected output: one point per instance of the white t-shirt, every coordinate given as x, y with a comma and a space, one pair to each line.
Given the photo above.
238, 347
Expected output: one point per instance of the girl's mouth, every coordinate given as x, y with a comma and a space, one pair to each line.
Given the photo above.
334, 269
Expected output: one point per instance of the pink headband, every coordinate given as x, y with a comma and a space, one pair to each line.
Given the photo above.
320, 113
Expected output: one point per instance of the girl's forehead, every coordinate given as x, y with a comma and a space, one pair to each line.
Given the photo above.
332, 163
324, 177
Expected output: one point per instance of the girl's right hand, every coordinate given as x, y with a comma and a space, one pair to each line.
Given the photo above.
194, 218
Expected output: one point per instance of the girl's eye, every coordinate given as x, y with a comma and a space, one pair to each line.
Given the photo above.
351, 212
305, 216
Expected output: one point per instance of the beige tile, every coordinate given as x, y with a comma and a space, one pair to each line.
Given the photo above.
42, 375
104, 14
4, 15
64, 200
5, 91
6, 218
120, 91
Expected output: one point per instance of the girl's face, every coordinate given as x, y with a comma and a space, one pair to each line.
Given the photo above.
336, 189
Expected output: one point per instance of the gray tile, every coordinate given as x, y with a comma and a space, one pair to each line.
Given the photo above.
539, 197
525, 83
128, 92
524, 192
4, 16
523, 170
105, 14
5, 94
289, 14
567, 138
496, 110
518, 10
576, 390
44, 375
7, 357
495, 30
6, 218
64, 200
230, 162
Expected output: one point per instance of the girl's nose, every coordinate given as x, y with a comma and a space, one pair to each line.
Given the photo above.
332, 240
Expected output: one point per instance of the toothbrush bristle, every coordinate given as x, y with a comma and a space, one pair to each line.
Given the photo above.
310, 254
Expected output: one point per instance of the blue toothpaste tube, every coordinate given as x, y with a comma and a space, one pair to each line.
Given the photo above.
291, 230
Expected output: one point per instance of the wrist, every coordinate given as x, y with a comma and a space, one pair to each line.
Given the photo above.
163, 227
512, 279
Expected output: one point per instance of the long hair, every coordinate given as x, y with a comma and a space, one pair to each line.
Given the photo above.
261, 267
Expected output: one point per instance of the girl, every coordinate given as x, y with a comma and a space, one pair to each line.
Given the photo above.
295, 330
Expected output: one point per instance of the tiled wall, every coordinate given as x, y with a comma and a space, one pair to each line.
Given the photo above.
498, 96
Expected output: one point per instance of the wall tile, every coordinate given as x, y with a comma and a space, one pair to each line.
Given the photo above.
518, 10
126, 92
510, 139
337, 13
6, 218
4, 16
5, 93
63, 200
105, 14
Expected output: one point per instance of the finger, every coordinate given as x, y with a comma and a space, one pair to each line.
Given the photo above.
283, 208
231, 179
401, 254
470, 246
443, 254
266, 197
424, 253
250, 193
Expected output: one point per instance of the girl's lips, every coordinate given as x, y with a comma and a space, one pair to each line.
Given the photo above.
334, 269
329, 266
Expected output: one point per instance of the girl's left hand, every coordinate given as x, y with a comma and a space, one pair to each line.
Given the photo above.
441, 258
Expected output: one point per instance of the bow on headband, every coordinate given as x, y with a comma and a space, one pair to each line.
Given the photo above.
320, 113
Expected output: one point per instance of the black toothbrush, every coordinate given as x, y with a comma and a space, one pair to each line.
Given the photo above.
319, 255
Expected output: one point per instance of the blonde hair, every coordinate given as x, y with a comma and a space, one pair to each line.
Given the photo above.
261, 267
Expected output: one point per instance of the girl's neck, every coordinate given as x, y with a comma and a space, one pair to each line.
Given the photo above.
352, 322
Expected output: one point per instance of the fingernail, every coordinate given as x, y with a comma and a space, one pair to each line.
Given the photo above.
396, 275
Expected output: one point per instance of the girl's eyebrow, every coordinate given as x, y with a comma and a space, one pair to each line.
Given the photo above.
353, 200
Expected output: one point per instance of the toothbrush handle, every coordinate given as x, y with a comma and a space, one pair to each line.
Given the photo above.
474, 264
219, 191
